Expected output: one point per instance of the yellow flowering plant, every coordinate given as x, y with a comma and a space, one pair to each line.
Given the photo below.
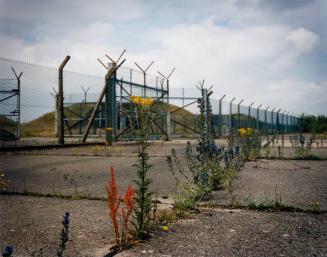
249, 141
245, 132
144, 102
143, 201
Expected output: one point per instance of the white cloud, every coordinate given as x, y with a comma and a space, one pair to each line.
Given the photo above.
97, 32
303, 40
251, 56
296, 95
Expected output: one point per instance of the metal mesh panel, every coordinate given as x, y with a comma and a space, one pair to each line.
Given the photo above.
9, 109
36, 104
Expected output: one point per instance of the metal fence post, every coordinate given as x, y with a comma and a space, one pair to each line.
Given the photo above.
206, 115
258, 110
239, 114
266, 124
287, 122
230, 113
272, 121
277, 119
168, 105
144, 76
283, 127
110, 108
60, 105
283, 121
168, 113
18, 110
249, 115
220, 116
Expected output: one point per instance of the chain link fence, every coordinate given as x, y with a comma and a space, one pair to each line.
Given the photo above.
31, 111
28, 106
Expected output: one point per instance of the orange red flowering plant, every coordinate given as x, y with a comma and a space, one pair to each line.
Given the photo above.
114, 200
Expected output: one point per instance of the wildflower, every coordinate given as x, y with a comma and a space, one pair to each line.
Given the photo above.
145, 102
135, 99
64, 235
126, 212
237, 150
66, 218
7, 251
113, 202
165, 228
249, 131
242, 132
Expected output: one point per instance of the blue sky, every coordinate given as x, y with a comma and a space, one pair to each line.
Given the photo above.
272, 52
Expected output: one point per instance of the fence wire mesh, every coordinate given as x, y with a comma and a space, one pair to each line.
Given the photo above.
36, 108
28, 108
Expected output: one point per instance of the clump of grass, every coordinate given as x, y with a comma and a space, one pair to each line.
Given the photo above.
263, 205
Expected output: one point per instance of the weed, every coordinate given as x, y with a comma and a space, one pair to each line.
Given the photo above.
7, 251
114, 200
64, 235
126, 212
187, 198
3, 183
315, 206
166, 217
266, 204
143, 195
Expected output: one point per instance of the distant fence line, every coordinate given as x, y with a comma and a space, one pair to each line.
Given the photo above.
32, 112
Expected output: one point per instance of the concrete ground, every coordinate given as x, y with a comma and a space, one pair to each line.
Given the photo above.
301, 184
29, 223
33, 222
88, 175
216, 232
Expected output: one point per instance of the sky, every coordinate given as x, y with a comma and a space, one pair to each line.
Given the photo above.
271, 52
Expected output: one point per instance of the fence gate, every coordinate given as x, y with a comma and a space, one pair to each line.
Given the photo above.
9, 109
